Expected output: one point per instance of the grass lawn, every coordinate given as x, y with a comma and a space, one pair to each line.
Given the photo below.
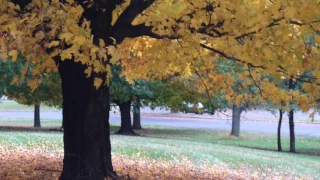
203, 148
10, 105
29, 122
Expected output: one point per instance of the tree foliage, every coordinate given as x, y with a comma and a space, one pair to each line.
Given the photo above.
122, 91
267, 37
48, 92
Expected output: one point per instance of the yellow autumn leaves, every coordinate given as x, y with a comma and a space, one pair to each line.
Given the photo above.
263, 34
50, 29
268, 35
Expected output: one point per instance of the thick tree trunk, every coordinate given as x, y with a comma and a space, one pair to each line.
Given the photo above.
236, 113
279, 130
291, 129
125, 111
87, 149
136, 114
36, 116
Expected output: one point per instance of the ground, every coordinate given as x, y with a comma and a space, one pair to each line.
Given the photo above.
167, 153
161, 152
37, 164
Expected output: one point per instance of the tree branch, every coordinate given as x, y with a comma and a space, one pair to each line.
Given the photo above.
138, 31
21, 3
229, 57
254, 82
123, 24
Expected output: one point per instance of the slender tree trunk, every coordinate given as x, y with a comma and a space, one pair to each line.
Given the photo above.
279, 130
136, 114
173, 110
36, 116
125, 111
236, 113
291, 129
291, 121
87, 149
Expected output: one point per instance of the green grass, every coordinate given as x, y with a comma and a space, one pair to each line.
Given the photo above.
29, 122
10, 105
304, 144
202, 147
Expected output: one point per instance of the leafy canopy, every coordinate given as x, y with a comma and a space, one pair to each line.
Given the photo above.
178, 37
267, 37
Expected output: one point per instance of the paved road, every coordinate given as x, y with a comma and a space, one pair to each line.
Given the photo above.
222, 124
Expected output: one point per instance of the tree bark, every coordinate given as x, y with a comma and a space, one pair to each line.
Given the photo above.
236, 112
291, 121
279, 130
37, 116
87, 149
136, 114
291, 129
125, 111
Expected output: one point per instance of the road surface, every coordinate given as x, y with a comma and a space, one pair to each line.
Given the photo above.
207, 123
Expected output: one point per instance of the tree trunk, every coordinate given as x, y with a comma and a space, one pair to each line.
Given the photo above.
136, 114
36, 116
87, 149
126, 127
174, 111
236, 112
279, 130
291, 129
291, 121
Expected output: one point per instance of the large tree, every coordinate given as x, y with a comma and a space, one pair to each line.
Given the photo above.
73, 37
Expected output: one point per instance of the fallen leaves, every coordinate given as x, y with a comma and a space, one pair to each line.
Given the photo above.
25, 164
29, 164
140, 168
38, 164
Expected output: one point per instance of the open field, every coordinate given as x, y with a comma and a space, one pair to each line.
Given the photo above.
203, 149
10, 105
304, 144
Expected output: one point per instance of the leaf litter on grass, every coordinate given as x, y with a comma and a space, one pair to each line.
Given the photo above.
25, 164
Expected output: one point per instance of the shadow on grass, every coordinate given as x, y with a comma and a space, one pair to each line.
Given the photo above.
305, 152
217, 137
196, 135
26, 128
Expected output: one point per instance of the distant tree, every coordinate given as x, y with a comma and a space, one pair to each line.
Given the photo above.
136, 113
125, 94
244, 91
48, 92
175, 93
